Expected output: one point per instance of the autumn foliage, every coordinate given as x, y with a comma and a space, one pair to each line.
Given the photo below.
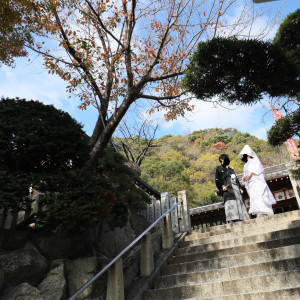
219, 147
15, 32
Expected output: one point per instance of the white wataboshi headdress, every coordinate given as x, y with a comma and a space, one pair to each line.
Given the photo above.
247, 150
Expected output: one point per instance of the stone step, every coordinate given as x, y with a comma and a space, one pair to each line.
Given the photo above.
264, 283
232, 273
280, 218
175, 259
291, 214
243, 259
240, 226
248, 240
283, 294
196, 240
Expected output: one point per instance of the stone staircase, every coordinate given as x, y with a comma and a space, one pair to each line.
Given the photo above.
254, 259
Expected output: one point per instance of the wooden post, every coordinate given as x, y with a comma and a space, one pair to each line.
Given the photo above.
147, 264
115, 282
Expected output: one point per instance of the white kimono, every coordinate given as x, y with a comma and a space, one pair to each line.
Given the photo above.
261, 198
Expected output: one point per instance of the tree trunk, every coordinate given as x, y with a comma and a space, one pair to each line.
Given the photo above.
97, 131
106, 134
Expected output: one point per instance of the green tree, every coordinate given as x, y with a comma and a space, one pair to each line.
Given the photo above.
39, 138
241, 71
35, 140
203, 194
92, 197
285, 128
287, 38
167, 173
45, 148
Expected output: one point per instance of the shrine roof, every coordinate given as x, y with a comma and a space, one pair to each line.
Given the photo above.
147, 187
272, 172
206, 208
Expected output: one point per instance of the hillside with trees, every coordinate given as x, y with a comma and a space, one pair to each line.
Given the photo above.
188, 162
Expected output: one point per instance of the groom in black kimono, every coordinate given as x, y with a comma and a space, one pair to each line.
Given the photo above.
230, 189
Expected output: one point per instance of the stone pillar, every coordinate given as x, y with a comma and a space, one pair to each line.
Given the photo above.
115, 282
157, 212
290, 166
150, 212
8, 220
147, 264
14, 220
143, 213
165, 202
167, 235
34, 204
185, 219
2, 217
174, 216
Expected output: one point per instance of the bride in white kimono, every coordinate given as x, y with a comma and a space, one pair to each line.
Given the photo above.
261, 198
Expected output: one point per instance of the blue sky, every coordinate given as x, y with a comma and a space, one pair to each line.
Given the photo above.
30, 81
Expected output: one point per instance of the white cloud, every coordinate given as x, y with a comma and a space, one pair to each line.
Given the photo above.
29, 82
251, 119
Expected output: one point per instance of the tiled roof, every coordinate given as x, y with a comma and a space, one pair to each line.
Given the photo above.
210, 207
150, 188
272, 172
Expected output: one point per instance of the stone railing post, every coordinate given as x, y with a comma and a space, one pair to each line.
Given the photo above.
115, 282
174, 216
167, 234
150, 212
185, 219
147, 264
157, 212
165, 202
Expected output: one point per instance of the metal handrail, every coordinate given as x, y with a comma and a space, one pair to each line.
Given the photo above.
86, 285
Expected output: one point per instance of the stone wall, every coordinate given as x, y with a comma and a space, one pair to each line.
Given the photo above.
49, 267
37, 267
